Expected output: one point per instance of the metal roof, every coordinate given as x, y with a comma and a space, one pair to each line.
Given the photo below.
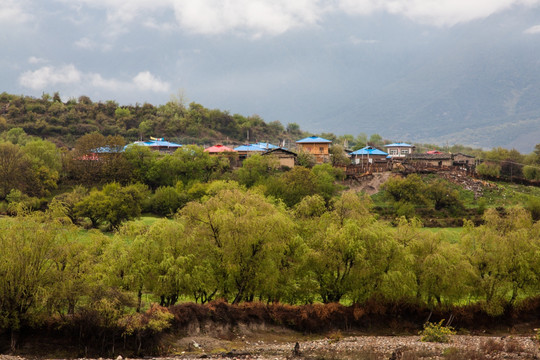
249, 148
399, 145
266, 146
313, 139
218, 148
156, 143
107, 149
369, 150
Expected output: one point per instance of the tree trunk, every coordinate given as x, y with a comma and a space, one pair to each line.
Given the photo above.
139, 300
13, 340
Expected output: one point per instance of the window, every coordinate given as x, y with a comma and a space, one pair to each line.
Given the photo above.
321, 149
404, 151
393, 152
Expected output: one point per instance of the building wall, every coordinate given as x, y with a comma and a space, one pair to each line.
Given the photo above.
462, 159
319, 150
287, 161
399, 151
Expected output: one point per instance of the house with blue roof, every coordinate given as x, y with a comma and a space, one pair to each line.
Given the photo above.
245, 151
157, 145
317, 146
368, 154
399, 150
266, 146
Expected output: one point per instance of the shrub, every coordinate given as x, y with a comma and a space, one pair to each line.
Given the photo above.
533, 206
488, 169
531, 172
436, 332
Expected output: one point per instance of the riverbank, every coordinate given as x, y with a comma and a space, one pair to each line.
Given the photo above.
278, 344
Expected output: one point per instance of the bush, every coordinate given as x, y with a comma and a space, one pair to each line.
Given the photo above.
166, 201
531, 172
533, 206
436, 332
488, 169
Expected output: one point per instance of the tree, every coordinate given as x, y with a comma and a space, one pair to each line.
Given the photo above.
336, 245
441, 271
15, 170
256, 169
531, 172
503, 253
488, 169
408, 190
167, 200
293, 185
338, 156
444, 197
46, 164
375, 140
242, 235
305, 158
26, 273
112, 205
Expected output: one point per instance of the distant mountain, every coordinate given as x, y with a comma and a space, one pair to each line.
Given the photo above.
476, 84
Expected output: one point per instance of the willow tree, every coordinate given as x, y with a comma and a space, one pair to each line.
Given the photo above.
504, 255
27, 274
242, 235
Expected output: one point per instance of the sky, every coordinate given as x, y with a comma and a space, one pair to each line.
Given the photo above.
286, 60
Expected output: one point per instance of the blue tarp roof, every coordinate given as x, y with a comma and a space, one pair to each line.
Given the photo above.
313, 139
249, 148
156, 143
399, 144
266, 145
107, 149
369, 150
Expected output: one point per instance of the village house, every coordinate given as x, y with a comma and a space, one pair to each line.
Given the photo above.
245, 151
430, 160
368, 154
460, 159
159, 145
399, 150
286, 158
439, 159
316, 146
266, 146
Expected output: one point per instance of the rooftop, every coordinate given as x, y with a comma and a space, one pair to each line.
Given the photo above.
369, 150
399, 145
313, 139
249, 148
218, 148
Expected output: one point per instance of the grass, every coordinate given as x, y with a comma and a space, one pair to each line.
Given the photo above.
507, 194
452, 235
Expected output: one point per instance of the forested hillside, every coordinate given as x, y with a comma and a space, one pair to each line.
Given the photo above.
63, 122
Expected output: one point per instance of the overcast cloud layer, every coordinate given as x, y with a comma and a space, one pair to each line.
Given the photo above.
237, 55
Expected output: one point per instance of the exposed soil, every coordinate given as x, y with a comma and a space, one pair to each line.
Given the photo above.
271, 343
369, 184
